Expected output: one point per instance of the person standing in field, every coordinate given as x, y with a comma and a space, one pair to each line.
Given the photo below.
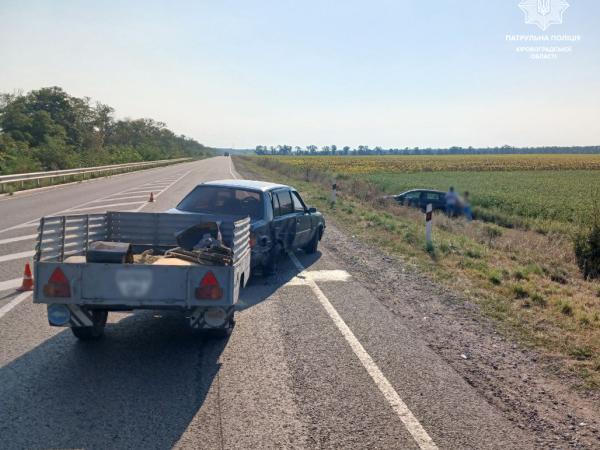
451, 200
466, 207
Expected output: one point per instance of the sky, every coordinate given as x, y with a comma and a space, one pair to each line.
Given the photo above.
389, 73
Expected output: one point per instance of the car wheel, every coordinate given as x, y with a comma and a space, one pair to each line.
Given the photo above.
269, 267
313, 245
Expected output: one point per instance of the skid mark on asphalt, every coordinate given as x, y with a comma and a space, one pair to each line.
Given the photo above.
411, 423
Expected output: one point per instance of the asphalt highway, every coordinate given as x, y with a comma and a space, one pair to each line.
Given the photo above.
314, 360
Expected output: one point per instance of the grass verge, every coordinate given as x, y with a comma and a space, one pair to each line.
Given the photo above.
527, 282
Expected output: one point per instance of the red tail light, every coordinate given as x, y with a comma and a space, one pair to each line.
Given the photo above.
209, 288
58, 285
252, 241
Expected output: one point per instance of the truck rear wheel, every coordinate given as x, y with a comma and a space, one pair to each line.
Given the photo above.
96, 331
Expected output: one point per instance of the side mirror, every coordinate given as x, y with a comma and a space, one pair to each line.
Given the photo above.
312, 209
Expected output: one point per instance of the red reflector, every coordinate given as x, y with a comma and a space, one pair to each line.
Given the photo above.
252, 241
209, 288
58, 285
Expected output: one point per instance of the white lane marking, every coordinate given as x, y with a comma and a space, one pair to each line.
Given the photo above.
138, 192
164, 190
231, 169
14, 302
31, 253
18, 238
119, 198
20, 255
10, 284
411, 423
110, 205
319, 275
31, 223
34, 222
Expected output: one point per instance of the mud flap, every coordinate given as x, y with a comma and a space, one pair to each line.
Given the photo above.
212, 318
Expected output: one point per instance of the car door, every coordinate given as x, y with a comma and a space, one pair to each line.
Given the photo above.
284, 220
304, 225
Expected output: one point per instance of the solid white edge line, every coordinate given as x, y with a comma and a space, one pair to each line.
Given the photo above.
411, 423
231, 169
14, 302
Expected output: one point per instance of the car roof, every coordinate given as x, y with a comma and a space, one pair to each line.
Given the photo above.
422, 190
254, 185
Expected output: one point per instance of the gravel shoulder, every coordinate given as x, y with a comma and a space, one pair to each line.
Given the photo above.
518, 381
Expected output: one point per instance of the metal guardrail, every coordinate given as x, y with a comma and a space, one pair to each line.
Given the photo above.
22, 178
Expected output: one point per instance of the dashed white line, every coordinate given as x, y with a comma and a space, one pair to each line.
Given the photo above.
10, 284
18, 238
110, 205
411, 423
14, 302
20, 255
119, 198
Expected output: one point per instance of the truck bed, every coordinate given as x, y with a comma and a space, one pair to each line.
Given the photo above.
119, 286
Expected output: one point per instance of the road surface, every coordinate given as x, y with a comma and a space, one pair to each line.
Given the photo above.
314, 361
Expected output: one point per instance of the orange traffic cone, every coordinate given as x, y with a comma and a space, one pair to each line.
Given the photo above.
27, 284
151, 197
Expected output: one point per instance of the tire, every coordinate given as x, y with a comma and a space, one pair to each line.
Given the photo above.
222, 333
96, 331
269, 267
313, 245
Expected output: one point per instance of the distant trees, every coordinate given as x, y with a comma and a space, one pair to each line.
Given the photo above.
365, 150
47, 129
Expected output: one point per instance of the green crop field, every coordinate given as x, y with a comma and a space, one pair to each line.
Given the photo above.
545, 200
541, 192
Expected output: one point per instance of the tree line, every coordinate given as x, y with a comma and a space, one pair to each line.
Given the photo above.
48, 129
362, 150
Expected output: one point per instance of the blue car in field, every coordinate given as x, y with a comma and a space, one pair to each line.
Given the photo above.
419, 198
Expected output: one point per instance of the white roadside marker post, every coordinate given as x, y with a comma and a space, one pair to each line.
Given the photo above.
333, 194
428, 217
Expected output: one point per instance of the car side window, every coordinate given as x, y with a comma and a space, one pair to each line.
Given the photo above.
298, 204
433, 196
285, 203
275, 202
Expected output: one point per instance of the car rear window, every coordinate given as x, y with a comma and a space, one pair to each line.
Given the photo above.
223, 201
